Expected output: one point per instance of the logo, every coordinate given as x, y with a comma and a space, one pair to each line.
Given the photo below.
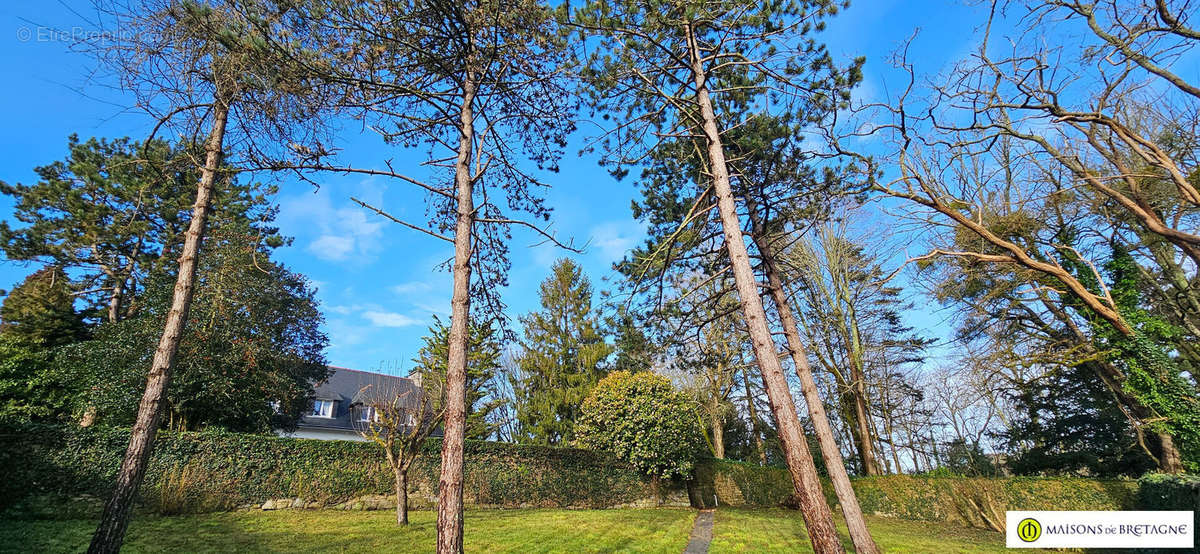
1099, 529
1029, 529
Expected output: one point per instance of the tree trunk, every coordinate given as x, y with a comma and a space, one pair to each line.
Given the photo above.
113, 522
858, 387
401, 497
815, 511
718, 434
114, 301
859, 534
1169, 460
753, 413
450, 484
912, 449
121, 285
866, 448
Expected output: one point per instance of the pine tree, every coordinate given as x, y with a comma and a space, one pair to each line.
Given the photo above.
114, 211
633, 350
562, 358
483, 362
38, 316
673, 69
40, 312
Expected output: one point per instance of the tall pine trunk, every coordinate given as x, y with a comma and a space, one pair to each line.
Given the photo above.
859, 534
115, 518
450, 484
816, 513
1169, 460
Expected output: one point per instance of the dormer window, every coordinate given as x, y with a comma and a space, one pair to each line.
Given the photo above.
367, 414
322, 408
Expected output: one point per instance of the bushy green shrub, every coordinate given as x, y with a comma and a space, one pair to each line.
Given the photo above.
642, 419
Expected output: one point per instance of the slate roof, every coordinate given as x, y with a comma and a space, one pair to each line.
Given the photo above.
348, 388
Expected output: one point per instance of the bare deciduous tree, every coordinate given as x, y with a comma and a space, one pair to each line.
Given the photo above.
398, 416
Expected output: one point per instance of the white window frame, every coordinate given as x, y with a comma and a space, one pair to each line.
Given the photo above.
326, 411
367, 414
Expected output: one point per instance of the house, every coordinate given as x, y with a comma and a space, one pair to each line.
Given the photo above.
341, 406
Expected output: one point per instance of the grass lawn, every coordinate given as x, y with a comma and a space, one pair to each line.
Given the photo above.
632, 530
781, 530
627, 530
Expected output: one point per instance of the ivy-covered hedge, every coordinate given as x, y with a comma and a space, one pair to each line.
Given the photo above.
1157, 491
215, 470
975, 502
733, 483
981, 502
191, 472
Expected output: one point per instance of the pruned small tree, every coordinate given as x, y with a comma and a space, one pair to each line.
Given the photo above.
398, 416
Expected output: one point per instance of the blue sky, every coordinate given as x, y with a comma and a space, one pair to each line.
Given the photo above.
376, 280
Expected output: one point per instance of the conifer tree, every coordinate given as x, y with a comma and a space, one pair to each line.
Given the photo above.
40, 312
695, 70
483, 362
38, 316
562, 357
480, 86
113, 212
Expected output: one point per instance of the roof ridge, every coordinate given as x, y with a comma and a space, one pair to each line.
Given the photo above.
340, 368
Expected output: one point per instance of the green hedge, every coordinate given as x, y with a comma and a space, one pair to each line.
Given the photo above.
215, 470
733, 483
976, 502
981, 502
192, 472
1157, 491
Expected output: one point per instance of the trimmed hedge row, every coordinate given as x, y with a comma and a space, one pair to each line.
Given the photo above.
195, 472
976, 502
1157, 491
731, 483
215, 470
981, 502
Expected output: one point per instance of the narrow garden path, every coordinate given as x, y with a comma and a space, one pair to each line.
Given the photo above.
702, 533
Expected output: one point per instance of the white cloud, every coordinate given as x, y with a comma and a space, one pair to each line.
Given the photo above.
342, 310
412, 287
613, 239
344, 334
389, 319
439, 310
332, 247
341, 233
